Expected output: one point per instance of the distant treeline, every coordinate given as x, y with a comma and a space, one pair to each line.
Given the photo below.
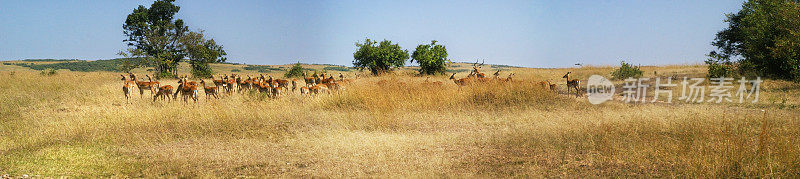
78, 65
262, 68
49, 60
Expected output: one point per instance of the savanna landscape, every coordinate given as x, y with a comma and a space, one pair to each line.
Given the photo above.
384, 118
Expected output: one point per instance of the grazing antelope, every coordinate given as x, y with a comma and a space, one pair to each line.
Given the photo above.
496, 74
163, 92
209, 90
573, 84
341, 77
142, 85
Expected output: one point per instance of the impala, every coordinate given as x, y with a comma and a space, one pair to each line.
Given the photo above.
209, 90
142, 85
163, 92
462, 81
573, 84
126, 87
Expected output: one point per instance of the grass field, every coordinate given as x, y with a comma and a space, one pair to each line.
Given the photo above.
79, 124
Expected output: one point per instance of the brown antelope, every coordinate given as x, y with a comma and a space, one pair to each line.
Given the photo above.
496, 74
209, 90
229, 83
294, 84
187, 89
219, 83
163, 92
462, 81
316, 89
142, 85
475, 71
126, 87
308, 80
304, 90
508, 79
573, 84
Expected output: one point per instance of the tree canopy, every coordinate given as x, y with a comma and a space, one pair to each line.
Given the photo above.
165, 40
380, 57
763, 39
432, 58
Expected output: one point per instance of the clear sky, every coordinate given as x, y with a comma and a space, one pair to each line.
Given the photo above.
526, 33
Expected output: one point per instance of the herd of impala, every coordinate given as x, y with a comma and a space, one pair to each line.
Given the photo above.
314, 84
475, 77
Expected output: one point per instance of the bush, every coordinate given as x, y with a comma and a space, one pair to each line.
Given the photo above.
719, 67
432, 58
236, 70
380, 57
48, 72
295, 71
626, 70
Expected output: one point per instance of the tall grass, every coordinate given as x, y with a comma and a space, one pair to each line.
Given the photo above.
78, 124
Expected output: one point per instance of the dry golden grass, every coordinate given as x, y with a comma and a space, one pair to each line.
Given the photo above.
78, 124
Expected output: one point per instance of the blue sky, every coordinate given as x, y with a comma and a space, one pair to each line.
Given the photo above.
525, 33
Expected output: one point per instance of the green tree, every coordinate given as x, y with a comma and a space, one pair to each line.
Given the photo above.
432, 58
763, 38
380, 57
201, 52
295, 71
157, 32
626, 70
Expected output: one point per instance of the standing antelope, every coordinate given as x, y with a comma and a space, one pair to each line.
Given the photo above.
142, 85
187, 89
210, 90
294, 84
126, 87
574, 83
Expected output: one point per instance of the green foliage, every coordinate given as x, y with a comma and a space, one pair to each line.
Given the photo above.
85, 66
201, 52
157, 34
719, 66
48, 72
432, 58
626, 70
336, 68
763, 39
295, 71
380, 57
236, 70
261, 68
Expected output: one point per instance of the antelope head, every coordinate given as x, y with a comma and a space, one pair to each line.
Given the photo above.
566, 75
